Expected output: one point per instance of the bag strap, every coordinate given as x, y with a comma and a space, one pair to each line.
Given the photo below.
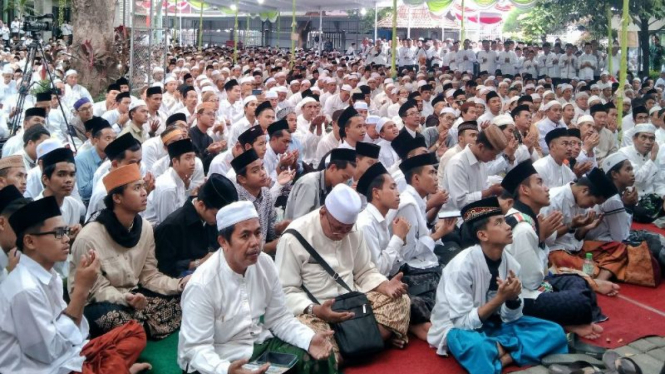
317, 257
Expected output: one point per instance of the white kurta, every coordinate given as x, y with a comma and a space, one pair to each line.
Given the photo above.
386, 249
562, 199
466, 177
35, 337
418, 250
170, 194
648, 179
615, 226
152, 150
533, 260
462, 290
349, 257
225, 314
553, 174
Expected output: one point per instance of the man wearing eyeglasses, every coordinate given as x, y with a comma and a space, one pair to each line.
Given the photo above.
331, 230
41, 333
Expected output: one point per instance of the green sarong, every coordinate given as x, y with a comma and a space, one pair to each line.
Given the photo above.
306, 364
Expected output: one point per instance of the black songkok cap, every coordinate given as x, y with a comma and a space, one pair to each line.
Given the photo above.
405, 143
343, 154
517, 175
280, 125
173, 118
480, 209
437, 99
57, 155
180, 147
555, 134
95, 124
40, 112
153, 91
43, 96
406, 106
367, 150
119, 145
8, 195
575, 132
263, 106
230, 84
243, 160
602, 186
34, 213
122, 82
219, 191
122, 95
490, 95
368, 177
418, 161
518, 109
595, 108
250, 135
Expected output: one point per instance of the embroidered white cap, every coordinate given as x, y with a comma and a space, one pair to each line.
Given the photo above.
612, 160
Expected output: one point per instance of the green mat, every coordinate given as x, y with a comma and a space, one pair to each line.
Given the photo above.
162, 355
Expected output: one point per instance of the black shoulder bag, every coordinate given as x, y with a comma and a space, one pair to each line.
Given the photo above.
359, 336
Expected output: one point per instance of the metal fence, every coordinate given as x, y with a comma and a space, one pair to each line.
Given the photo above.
149, 40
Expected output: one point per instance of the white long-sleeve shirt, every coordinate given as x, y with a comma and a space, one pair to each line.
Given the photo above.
170, 194
647, 177
466, 177
553, 174
419, 247
563, 200
586, 73
225, 313
616, 222
35, 337
568, 66
462, 291
386, 248
533, 259
349, 257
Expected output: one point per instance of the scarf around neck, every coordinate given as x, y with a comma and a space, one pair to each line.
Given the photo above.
118, 232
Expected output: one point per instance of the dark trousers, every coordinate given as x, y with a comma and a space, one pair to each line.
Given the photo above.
573, 302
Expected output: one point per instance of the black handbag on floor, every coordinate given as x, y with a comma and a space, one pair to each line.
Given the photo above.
358, 337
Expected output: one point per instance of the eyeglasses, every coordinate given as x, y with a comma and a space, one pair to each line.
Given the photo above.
59, 232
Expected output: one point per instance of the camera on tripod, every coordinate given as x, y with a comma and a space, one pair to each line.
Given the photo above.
38, 23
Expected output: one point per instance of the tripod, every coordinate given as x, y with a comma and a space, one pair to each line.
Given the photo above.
34, 47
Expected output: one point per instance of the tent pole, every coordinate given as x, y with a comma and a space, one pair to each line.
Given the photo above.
609, 39
279, 27
201, 26
624, 56
235, 37
376, 22
408, 23
293, 31
393, 47
179, 24
247, 31
320, 30
462, 30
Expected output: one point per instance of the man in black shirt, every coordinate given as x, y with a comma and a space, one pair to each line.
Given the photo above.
206, 148
188, 236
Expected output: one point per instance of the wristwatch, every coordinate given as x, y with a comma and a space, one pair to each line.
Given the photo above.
309, 309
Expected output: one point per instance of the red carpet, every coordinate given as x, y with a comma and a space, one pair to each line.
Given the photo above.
638, 312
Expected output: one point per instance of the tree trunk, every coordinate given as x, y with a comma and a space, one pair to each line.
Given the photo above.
644, 43
94, 55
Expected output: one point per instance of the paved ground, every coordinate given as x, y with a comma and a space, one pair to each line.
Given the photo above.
648, 353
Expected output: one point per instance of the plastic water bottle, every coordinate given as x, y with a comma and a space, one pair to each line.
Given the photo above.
587, 268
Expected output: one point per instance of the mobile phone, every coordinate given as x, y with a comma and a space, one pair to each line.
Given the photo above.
450, 214
517, 135
257, 92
